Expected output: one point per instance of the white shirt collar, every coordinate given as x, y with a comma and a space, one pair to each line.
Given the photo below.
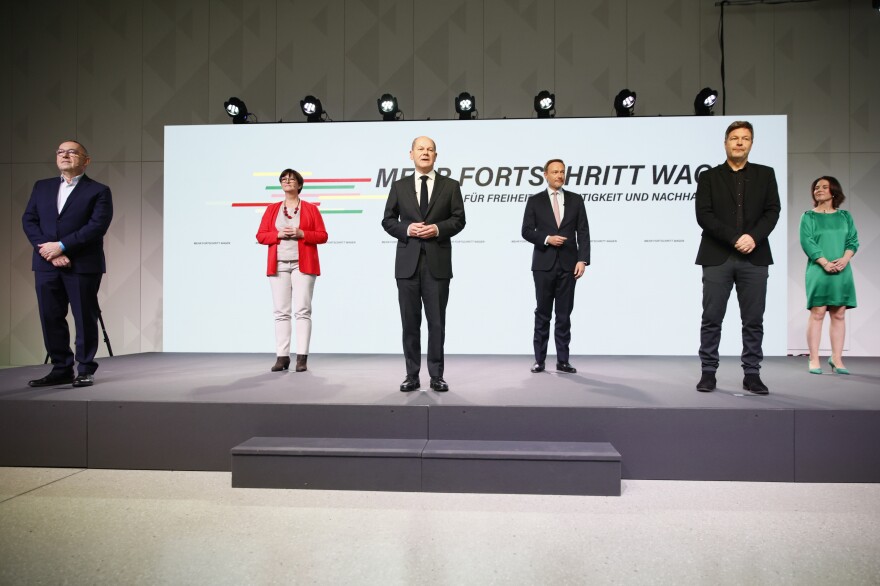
73, 181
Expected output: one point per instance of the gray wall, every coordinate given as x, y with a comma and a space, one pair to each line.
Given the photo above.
113, 74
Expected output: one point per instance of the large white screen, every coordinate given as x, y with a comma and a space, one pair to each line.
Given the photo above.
640, 296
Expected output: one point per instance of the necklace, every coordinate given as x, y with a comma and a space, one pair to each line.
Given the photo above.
286, 213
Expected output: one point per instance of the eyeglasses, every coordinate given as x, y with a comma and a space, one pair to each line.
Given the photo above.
71, 152
289, 180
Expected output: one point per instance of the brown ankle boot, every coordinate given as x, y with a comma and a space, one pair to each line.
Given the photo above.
301, 360
282, 363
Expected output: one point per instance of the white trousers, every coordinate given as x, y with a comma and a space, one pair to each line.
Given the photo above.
290, 284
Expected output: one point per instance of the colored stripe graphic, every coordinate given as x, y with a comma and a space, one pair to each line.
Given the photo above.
355, 180
307, 186
276, 173
338, 186
335, 197
258, 204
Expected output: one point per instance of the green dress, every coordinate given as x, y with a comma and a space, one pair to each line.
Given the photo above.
829, 236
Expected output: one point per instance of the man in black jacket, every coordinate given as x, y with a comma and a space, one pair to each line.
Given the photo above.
737, 206
423, 212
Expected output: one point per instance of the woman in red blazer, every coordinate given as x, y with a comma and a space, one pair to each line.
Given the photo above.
292, 229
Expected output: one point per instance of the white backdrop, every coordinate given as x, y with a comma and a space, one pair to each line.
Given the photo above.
640, 296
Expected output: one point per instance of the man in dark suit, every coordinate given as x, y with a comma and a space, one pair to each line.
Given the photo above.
423, 213
737, 205
555, 221
65, 220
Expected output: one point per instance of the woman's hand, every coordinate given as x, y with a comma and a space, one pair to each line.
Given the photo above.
835, 266
287, 233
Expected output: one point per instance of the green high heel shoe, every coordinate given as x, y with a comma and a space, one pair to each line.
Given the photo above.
835, 369
814, 370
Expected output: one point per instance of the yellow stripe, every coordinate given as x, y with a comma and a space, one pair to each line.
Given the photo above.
277, 173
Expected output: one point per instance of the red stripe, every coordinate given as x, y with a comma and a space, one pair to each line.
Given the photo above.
355, 180
250, 204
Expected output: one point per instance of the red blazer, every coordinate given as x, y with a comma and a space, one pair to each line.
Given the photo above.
312, 225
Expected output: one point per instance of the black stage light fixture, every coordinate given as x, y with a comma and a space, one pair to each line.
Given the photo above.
311, 107
704, 103
388, 107
876, 4
236, 110
625, 103
465, 106
545, 104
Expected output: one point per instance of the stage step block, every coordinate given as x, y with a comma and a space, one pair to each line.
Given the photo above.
328, 463
410, 465
521, 467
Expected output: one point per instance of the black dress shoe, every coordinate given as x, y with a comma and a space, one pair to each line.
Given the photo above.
538, 367
410, 383
84, 380
438, 384
707, 382
565, 367
53, 379
753, 384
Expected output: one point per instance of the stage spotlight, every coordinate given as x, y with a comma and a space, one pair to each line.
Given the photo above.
704, 103
311, 107
388, 107
236, 110
465, 106
875, 4
625, 103
545, 104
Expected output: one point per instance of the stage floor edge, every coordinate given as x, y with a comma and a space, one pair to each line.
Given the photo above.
177, 411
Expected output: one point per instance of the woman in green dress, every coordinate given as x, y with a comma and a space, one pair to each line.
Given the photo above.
829, 239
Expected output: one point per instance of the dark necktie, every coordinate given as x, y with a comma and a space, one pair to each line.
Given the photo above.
423, 196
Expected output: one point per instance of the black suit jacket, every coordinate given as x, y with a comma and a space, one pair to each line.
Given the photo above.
80, 225
539, 222
716, 213
445, 209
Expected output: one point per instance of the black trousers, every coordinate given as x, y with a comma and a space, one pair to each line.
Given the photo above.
751, 292
56, 290
553, 288
423, 289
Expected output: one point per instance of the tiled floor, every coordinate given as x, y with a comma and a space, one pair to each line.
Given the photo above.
146, 527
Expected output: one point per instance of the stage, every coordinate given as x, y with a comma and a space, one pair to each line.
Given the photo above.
174, 411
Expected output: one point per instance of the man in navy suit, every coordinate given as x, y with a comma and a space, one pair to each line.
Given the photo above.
423, 213
65, 220
555, 221
737, 206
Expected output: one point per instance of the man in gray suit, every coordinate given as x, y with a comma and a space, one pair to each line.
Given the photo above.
423, 213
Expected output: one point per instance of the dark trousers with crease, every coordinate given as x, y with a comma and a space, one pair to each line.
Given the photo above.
56, 290
751, 292
423, 289
553, 288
